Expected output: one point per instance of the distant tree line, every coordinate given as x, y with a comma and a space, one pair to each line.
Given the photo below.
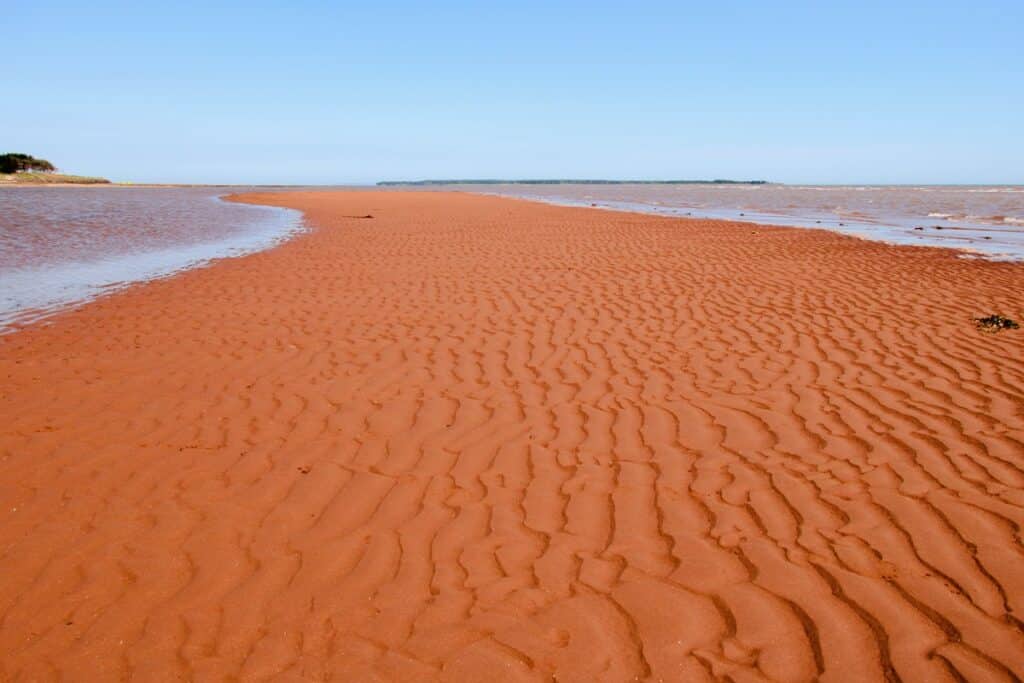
557, 181
19, 163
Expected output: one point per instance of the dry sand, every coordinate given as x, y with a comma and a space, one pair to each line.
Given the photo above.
475, 438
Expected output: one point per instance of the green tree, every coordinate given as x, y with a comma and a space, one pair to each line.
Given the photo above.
14, 162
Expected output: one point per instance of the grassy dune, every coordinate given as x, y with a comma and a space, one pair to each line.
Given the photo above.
48, 179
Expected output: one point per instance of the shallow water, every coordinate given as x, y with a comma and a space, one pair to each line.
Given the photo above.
60, 246
984, 221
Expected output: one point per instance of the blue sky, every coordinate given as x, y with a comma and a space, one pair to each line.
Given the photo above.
335, 92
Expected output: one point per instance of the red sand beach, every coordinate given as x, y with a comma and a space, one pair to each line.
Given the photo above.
474, 438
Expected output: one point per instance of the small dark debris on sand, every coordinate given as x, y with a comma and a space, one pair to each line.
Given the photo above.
995, 323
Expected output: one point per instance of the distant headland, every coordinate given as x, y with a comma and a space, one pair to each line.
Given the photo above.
24, 169
571, 182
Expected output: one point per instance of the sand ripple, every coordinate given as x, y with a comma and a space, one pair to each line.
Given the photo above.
475, 438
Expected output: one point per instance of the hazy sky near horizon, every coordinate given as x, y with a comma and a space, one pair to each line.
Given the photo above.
339, 92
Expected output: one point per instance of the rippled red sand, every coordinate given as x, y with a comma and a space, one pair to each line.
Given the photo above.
480, 439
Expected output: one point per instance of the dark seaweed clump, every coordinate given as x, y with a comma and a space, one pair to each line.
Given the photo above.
995, 323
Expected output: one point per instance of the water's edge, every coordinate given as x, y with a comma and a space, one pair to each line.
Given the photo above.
994, 245
32, 294
69, 285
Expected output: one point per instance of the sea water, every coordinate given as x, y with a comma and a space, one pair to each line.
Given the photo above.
981, 221
61, 246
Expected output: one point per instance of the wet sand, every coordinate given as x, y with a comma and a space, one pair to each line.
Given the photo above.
985, 220
475, 438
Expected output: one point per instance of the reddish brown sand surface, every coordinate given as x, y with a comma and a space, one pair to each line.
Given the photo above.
473, 438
